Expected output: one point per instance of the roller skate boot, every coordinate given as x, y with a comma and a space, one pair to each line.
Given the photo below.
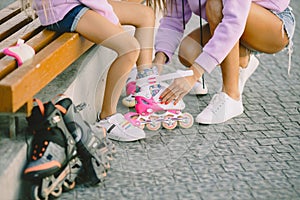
94, 150
129, 100
151, 112
52, 163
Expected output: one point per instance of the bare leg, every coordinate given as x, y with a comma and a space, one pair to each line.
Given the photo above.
272, 40
143, 19
101, 31
230, 65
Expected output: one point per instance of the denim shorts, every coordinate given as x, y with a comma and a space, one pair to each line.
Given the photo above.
288, 19
70, 20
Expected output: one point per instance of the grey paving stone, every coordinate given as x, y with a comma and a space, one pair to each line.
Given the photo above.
260, 157
241, 195
247, 142
235, 159
274, 194
283, 148
272, 174
216, 195
268, 141
283, 157
264, 149
279, 165
191, 196
249, 176
242, 150
233, 167
256, 166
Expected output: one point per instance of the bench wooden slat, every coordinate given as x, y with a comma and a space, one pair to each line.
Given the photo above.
10, 11
22, 84
7, 64
13, 25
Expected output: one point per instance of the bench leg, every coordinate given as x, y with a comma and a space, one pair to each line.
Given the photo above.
12, 122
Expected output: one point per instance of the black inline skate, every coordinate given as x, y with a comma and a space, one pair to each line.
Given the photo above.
94, 150
52, 163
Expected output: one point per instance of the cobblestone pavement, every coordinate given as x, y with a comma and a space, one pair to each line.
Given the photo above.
254, 156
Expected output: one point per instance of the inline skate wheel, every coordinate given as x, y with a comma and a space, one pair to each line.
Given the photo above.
141, 124
169, 123
69, 186
35, 193
129, 101
57, 192
187, 120
154, 125
107, 165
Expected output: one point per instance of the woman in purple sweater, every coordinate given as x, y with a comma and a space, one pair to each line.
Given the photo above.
234, 29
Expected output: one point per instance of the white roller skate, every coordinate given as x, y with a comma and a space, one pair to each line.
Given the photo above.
150, 112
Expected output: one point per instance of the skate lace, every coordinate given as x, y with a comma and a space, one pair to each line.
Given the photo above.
39, 149
39, 146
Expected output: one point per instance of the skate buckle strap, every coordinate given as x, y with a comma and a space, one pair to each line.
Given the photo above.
111, 128
153, 79
40, 105
61, 108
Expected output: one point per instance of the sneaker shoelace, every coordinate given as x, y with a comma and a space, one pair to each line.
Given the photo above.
216, 103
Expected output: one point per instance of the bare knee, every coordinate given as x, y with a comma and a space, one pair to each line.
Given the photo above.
189, 50
183, 54
214, 12
148, 17
131, 50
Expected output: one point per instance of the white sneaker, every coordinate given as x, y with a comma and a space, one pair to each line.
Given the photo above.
220, 109
199, 88
118, 128
245, 73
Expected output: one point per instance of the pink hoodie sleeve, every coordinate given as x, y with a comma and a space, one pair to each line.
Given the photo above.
103, 8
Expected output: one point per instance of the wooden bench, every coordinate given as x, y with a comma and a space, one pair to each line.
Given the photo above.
54, 53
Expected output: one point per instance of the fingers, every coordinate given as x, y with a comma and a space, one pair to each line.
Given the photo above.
179, 98
167, 96
177, 90
171, 93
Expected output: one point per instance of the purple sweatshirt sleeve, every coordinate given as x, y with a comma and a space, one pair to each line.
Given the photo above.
225, 36
171, 28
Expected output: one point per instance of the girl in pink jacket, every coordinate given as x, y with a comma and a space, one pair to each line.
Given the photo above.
234, 29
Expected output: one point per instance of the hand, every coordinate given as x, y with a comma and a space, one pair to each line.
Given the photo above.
181, 86
178, 89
